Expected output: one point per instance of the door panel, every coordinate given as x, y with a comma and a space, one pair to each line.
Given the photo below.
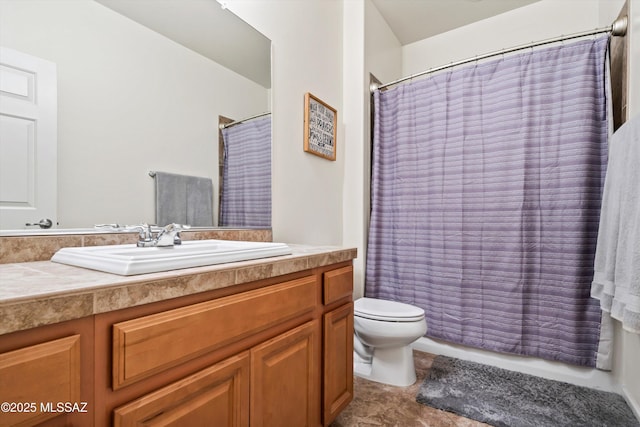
338, 361
28, 139
285, 379
16, 160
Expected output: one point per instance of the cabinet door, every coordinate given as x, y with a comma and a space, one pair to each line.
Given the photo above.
216, 396
338, 361
285, 379
36, 378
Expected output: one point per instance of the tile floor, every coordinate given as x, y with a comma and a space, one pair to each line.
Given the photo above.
377, 404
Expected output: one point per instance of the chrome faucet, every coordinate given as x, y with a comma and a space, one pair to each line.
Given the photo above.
169, 235
165, 237
145, 238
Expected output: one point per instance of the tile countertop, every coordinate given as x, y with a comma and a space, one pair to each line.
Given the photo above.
43, 292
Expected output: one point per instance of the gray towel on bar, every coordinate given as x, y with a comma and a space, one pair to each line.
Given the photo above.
183, 199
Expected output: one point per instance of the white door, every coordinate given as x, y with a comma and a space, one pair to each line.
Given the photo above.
28, 140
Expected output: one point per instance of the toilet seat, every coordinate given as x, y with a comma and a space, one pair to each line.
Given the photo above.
387, 311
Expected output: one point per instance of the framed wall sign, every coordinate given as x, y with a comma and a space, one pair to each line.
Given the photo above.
320, 121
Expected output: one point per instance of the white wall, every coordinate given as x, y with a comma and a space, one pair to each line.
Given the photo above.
383, 59
369, 47
129, 101
307, 51
383, 50
356, 164
538, 21
324, 55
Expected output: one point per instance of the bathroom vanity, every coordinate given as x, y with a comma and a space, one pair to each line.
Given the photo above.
262, 342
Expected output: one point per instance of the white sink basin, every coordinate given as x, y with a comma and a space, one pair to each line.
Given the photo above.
128, 260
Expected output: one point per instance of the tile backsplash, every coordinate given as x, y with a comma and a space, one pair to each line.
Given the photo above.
41, 248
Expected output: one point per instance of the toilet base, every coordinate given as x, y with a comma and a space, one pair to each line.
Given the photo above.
393, 366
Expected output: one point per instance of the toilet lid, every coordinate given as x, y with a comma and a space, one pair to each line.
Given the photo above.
390, 311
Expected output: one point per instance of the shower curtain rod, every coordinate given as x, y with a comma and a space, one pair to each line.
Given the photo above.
226, 125
618, 28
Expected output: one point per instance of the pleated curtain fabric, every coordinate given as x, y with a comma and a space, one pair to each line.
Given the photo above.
486, 190
246, 177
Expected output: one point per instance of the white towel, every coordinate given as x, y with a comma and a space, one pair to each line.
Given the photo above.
616, 280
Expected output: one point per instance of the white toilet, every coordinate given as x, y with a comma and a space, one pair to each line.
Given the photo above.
383, 332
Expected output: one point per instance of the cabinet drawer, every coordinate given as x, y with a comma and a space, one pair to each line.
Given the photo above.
150, 344
43, 373
215, 396
338, 284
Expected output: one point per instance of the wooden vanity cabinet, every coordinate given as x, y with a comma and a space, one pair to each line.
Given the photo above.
274, 352
152, 344
337, 342
274, 384
46, 375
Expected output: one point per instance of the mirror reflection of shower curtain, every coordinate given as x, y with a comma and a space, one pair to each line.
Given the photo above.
486, 191
246, 176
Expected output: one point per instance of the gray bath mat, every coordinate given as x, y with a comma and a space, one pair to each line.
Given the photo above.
511, 399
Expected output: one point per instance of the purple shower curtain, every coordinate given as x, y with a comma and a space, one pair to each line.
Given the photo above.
246, 176
486, 193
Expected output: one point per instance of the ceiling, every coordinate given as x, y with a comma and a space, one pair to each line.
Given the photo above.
413, 20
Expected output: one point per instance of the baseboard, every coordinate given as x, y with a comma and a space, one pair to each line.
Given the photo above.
558, 371
632, 402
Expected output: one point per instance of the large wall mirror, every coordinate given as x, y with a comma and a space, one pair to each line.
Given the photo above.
140, 87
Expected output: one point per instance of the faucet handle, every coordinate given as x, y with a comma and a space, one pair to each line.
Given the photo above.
173, 230
175, 227
112, 227
143, 229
